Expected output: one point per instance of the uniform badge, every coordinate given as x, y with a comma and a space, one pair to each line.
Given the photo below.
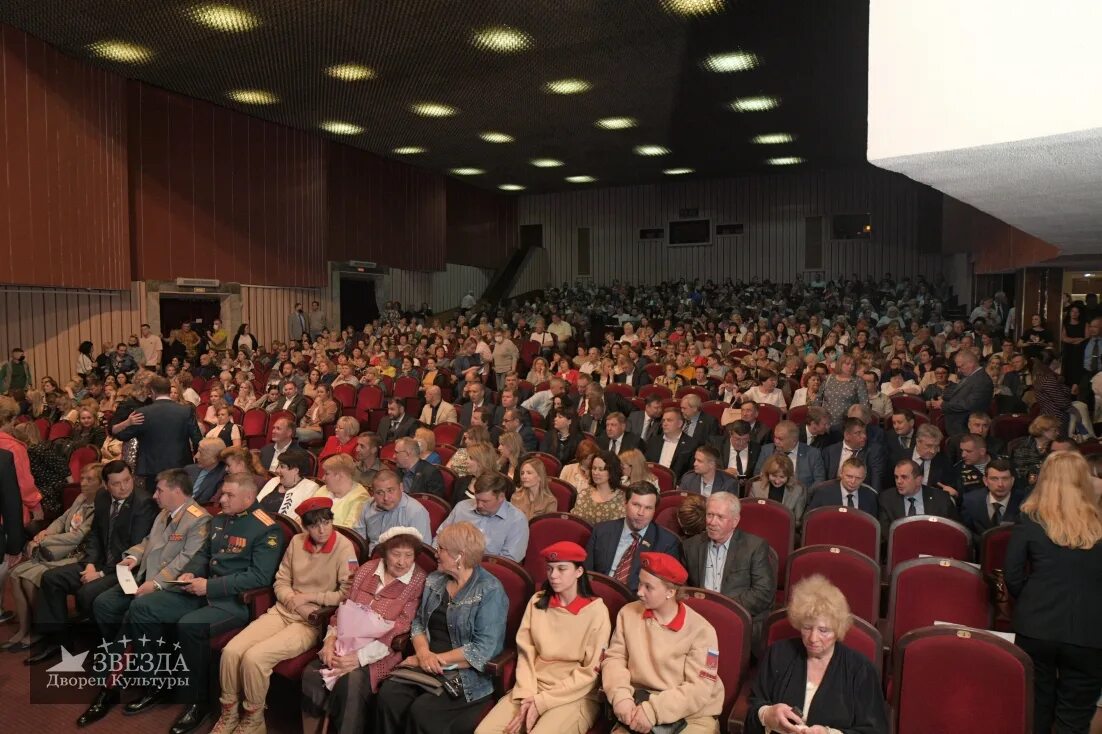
712, 660
272, 542
195, 511
263, 517
353, 565
235, 544
175, 537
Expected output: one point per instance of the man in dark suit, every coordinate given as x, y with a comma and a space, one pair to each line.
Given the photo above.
936, 469
972, 393
513, 382
292, 400
397, 423
167, 433
816, 431
647, 422
734, 563
614, 546
1000, 503
208, 471
477, 398
11, 509
912, 498
855, 444
900, 441
123, 516
848, 490
705, 478
739, 453
614, 402
418, 476
637, 377
698, 424
283, 439
810, 469
672, 447
759, 432
968, 473
513, 422
873, 431
616, 438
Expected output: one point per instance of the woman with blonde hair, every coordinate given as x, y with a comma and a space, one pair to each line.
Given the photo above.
239, 460
634, 466
458, 463
533, 496
510, 447
777, 482
481, 458
1054, 572
348, 495
1026, 455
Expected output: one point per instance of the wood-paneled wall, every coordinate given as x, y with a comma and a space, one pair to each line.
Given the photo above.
218, 194
266, 309
50, 324
63, 169
442, 290
482, 226
771, 208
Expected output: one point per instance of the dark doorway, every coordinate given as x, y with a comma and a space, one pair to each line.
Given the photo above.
358, 306
201, 311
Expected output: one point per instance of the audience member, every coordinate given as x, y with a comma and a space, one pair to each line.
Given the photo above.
615, 546
911, 497
207, 473
777, 481
504, 527
533, 495
705, 477
808, 461
290, 487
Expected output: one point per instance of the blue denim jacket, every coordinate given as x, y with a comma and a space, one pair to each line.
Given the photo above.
476, 621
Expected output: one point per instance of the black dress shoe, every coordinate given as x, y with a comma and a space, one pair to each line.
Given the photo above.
190, 720
105, 700
146, 702
48, 652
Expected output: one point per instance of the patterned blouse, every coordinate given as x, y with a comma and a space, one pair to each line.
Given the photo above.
838, 396
593, 512
50, 472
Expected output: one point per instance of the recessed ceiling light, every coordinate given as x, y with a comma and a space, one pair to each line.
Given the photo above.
502, 39
580, 179
772, 138
616, 123
121, 51
511, 187
677, 171
409, 150
693, 7
567, 86
734, 61
433, 109
224, 17
546, 162
493, 137
252, 96
787, 160
754, 104
341, 128
651, 150
467, 171
350, 72
1088, 275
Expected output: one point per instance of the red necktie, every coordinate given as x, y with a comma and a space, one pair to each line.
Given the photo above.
623, 570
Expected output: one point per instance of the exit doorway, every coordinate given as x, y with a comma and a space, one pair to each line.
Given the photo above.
200, 311
358, 305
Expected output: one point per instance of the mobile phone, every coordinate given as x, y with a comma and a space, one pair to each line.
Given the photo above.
796, 710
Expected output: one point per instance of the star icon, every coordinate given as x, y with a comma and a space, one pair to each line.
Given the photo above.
124, 641
176, 646
144, 640
105, 646
160, 641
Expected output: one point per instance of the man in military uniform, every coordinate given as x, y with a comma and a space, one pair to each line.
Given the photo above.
179, 534
245, 547
968, 473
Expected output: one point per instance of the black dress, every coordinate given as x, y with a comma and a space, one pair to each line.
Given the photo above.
1072, 356
848, 698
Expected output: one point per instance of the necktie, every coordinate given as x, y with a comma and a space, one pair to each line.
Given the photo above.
1096, 343
623, 569
906, 441
849, 500
648, 428
922, 465
614, 446
116, 508
997, 514
738, 463
912, 510
432, 418
582, 407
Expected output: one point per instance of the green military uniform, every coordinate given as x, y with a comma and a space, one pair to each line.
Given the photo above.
173, 542
968, 478
245, 550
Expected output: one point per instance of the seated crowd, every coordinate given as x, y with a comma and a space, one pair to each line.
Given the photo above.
393, 460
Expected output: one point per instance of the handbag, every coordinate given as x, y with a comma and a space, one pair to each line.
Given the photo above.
429, 682
641, 695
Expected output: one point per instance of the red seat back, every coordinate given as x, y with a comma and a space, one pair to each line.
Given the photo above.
290, 527
368, 398
543, 530
614, 594
386, 451
448, 433
438, 508
993, 545
855, 574
670, 499
1008, 427
450, 479
775, 523
358, 541
770, 415
653, 370
798, 415
519, 588
928, 535
845, 527
551, 464
929, 590
345, 394
565, 494
61, 429
733, 627
43, 426
647, 390
693, 390
862, 637
255, 424
406, 387
80, 458
666, 480
445, 451
998, 681
619, 388
911, 402
714, 408
667, 519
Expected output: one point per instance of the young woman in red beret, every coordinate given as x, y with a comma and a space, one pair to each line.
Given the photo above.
559, 644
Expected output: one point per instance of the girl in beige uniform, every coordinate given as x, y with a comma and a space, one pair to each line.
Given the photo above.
662, 665
559, 646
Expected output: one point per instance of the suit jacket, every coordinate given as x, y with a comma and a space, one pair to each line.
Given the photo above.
723, 482
829, 494
971, 394
941, 470
706, 428
527, 436
817, 442
172, 542
636, 421
1055, 588
935, 501
467, 408
564, 451
637, 378
761, 433
876, 464
748, 576
425, 479
167, 439
11, 506
682, 456
753, 451
267, 453
105, 549
601, 548
810, 469
974, 513
297, 406
445, 413
628, 441
895, 448
296, 325
389, 430
212, 482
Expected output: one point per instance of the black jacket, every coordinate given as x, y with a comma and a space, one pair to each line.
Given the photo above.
564, 451
682, 455
11, 506
829, 494
426, 479
628, 441
167, 439
601, 548
389, 430
935, 501
131, 525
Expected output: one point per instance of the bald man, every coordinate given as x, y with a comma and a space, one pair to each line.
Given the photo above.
436, 410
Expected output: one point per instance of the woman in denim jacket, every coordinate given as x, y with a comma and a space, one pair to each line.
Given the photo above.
459, 627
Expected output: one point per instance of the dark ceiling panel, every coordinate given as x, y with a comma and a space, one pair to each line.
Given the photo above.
641, 61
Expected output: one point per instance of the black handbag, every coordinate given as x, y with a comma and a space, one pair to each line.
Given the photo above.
640, 696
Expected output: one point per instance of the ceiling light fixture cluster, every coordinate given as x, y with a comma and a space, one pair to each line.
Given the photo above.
788, 160
511, 187
351, 72
730, 62
467, 171
337, 127
225, 18
546, 162
677, 171
501, 39
409, 150
580, 179
567, 86
123, 52
693, 7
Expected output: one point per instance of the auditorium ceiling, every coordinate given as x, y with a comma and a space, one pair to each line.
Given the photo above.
518, 95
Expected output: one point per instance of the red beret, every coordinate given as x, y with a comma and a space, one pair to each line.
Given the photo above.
564, 550
665, 567
314, 503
